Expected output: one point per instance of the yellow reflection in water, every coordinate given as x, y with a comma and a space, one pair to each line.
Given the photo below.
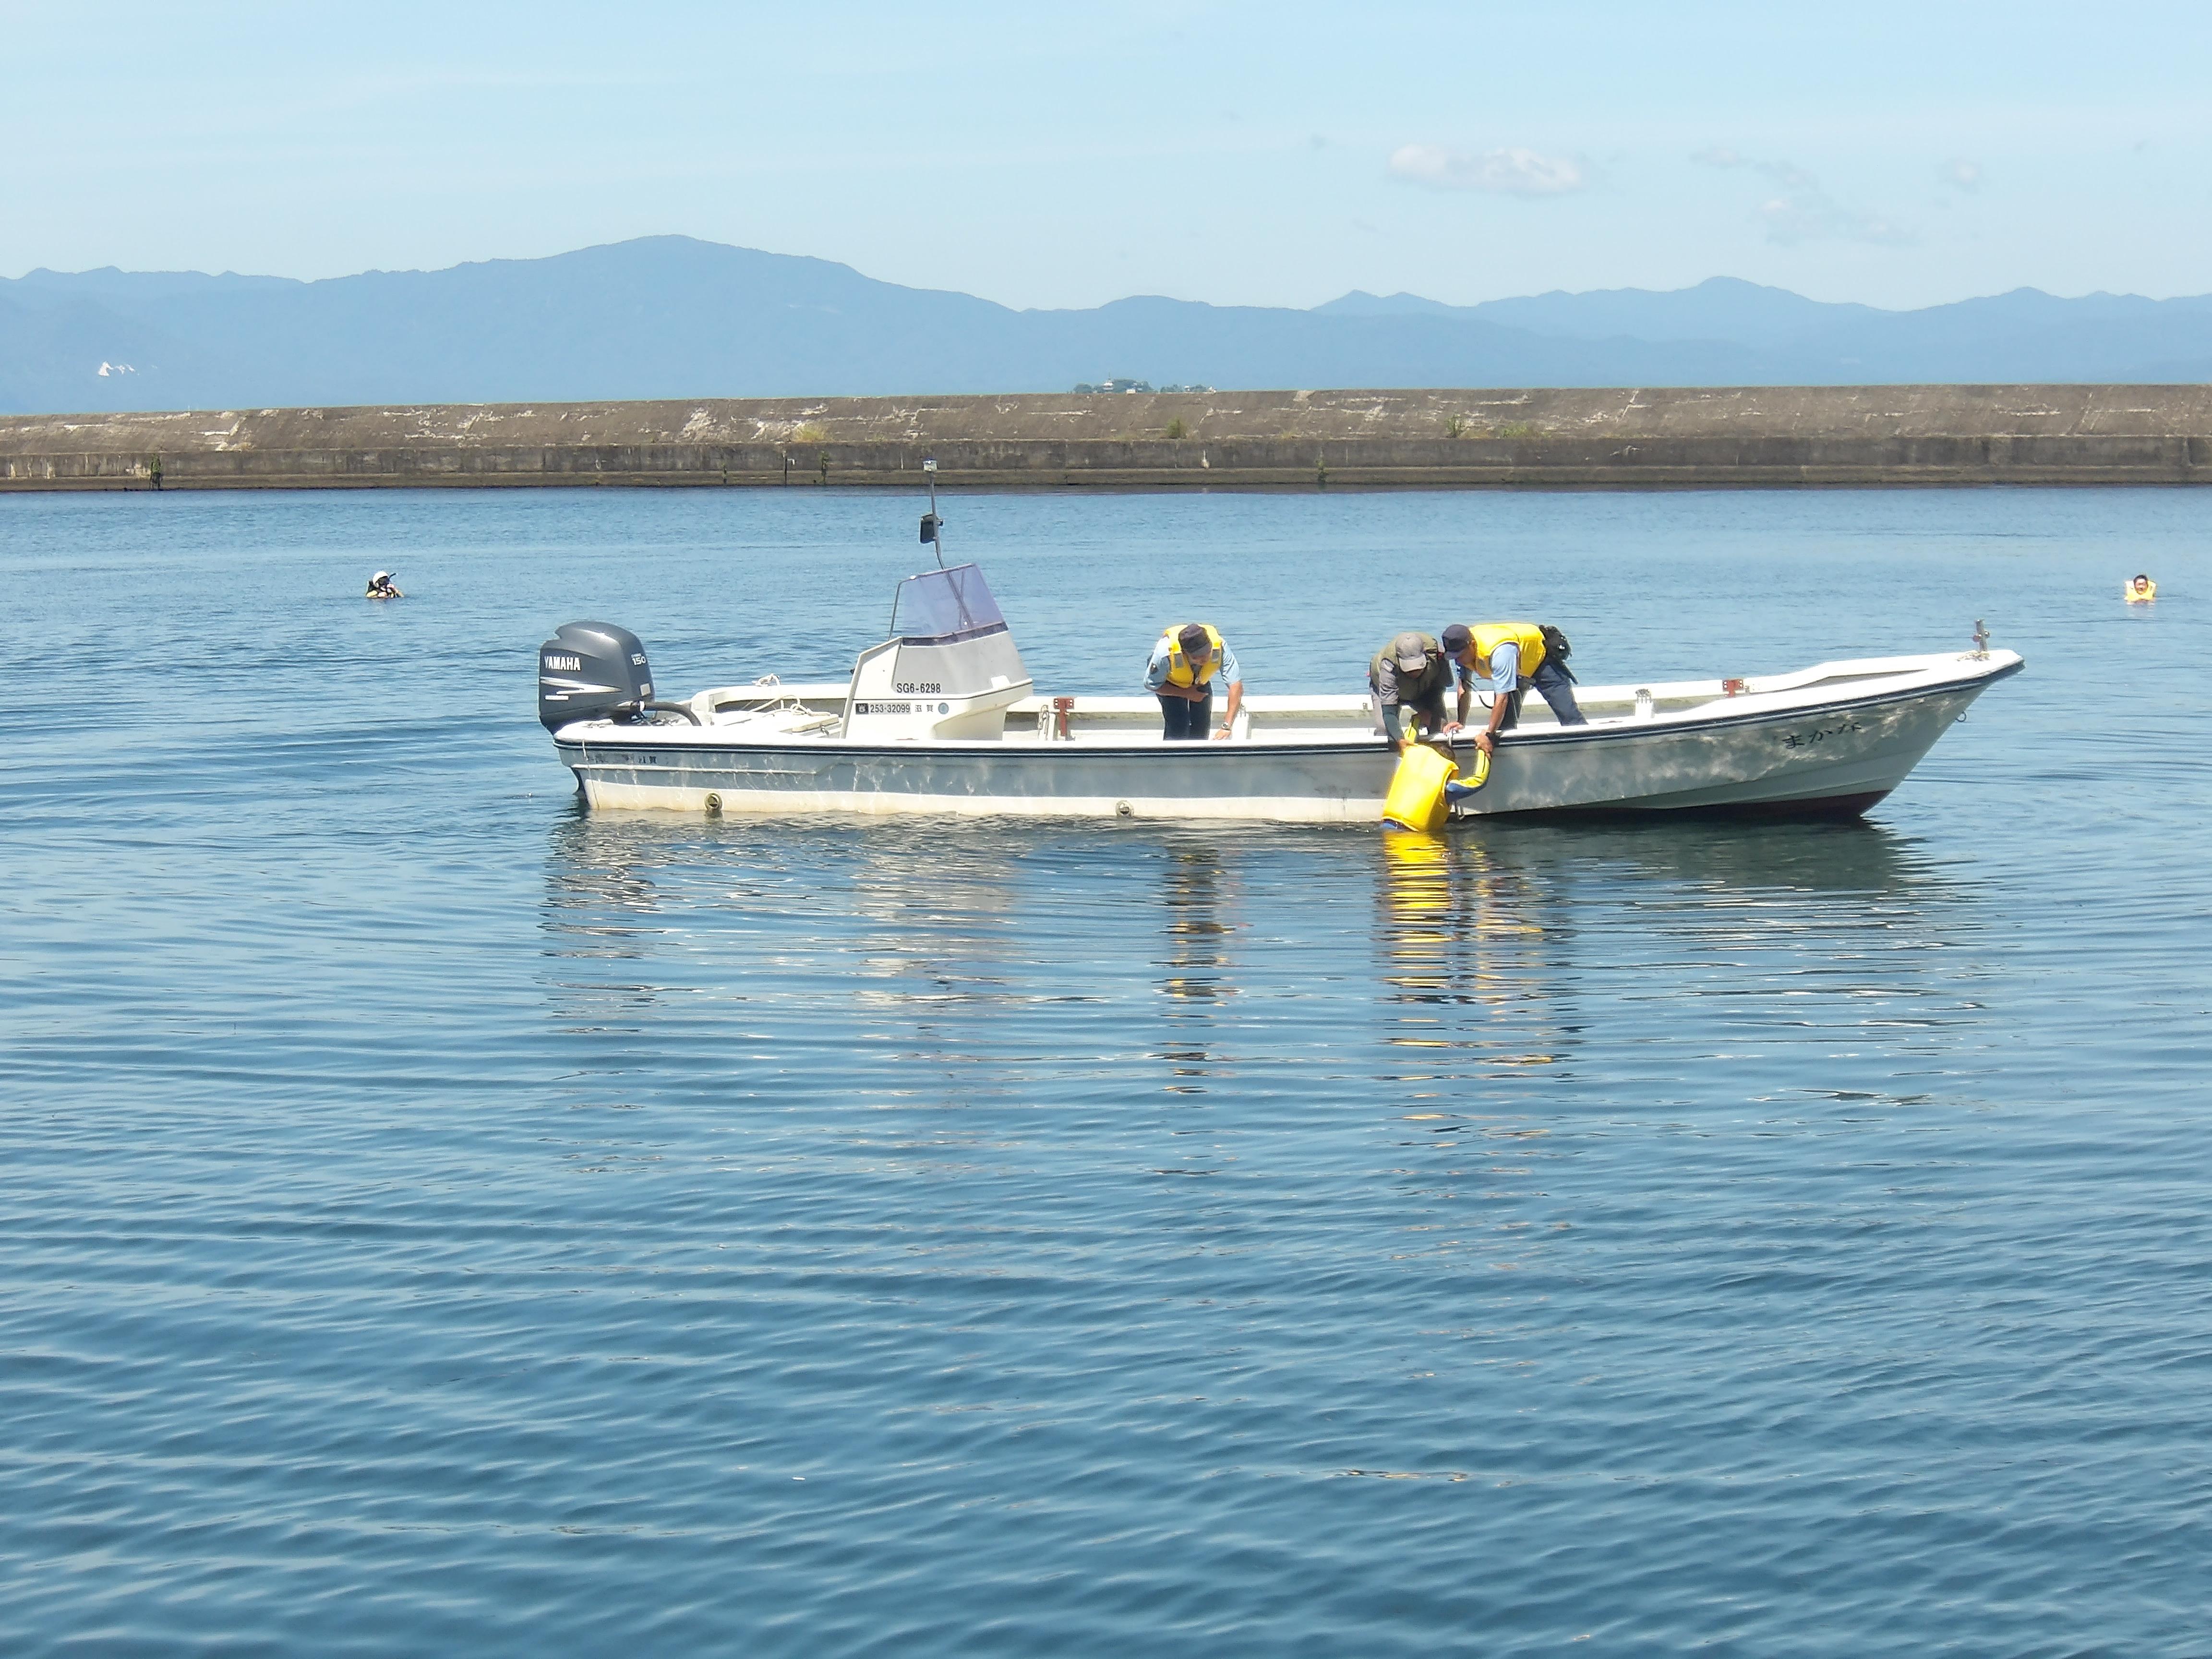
1467, 965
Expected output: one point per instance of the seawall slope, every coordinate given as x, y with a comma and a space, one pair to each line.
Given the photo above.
1632, 438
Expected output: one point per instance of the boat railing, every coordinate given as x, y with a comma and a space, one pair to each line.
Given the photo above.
1117, 718
1133, 719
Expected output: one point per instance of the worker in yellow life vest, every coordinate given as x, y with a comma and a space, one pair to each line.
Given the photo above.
1511, 657
2140, 591
1188, 661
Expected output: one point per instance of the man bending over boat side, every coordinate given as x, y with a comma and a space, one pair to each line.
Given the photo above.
1512, 657
1188, 657
1411, 672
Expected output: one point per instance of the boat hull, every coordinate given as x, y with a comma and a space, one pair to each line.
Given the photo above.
1834, 760
1332, 783
1816, 757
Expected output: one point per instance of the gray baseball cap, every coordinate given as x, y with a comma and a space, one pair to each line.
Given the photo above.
1411, 650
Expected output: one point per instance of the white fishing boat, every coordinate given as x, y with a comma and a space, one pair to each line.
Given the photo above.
941, 719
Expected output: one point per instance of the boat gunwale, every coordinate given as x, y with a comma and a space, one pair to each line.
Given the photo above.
695, 740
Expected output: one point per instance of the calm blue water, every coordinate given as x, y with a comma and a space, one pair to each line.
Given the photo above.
434, 1219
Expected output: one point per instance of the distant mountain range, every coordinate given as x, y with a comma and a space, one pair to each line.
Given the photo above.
671, 317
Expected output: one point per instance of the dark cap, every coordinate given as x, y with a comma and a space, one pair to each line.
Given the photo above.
1193, 639
1458, 639
1411, 652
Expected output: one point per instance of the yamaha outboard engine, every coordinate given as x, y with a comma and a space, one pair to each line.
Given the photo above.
591, 671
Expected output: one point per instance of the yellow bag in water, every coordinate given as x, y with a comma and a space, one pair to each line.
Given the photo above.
1416, 800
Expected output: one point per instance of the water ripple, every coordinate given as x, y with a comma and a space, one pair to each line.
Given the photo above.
435, 1218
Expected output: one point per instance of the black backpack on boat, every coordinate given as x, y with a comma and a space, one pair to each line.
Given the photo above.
1556, 649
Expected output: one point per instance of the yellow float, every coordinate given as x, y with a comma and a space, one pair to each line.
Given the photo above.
1418, 800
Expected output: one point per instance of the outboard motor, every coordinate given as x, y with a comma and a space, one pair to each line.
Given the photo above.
592, 670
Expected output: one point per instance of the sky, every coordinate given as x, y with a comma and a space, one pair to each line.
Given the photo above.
1896, 155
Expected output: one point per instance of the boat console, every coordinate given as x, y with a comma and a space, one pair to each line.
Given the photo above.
949, 671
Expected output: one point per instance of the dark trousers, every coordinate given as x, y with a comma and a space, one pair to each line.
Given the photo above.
1185, 721
1552, 684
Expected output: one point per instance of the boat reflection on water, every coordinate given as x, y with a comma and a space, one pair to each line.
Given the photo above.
1033, 960
1837, 857
1499, 950
1197, 897
901, 915
929, 921
601, 923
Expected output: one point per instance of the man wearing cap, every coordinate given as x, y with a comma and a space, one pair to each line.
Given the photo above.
1412, 671
1512, 657
1188, 657
380, 587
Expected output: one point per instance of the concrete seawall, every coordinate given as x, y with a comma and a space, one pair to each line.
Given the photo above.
1762, 436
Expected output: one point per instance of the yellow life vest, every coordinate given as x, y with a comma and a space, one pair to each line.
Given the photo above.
1180, 671
2150, 592
1488, 637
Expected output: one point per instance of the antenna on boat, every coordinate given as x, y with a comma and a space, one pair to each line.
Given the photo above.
932, 528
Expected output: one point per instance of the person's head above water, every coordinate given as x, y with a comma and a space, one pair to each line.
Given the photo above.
2141, 581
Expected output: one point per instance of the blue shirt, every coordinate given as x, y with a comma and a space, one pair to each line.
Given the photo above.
1156, 670
1504, 668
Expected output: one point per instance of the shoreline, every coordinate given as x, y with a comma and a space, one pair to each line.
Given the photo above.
1764, 437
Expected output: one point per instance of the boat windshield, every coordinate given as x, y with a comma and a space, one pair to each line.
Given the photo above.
941, 605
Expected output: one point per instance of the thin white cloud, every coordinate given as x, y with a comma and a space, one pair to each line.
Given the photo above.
1966, 175
1801, 210
1509, 172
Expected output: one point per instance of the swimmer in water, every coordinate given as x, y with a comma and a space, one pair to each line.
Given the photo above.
2141, 589
380, 587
